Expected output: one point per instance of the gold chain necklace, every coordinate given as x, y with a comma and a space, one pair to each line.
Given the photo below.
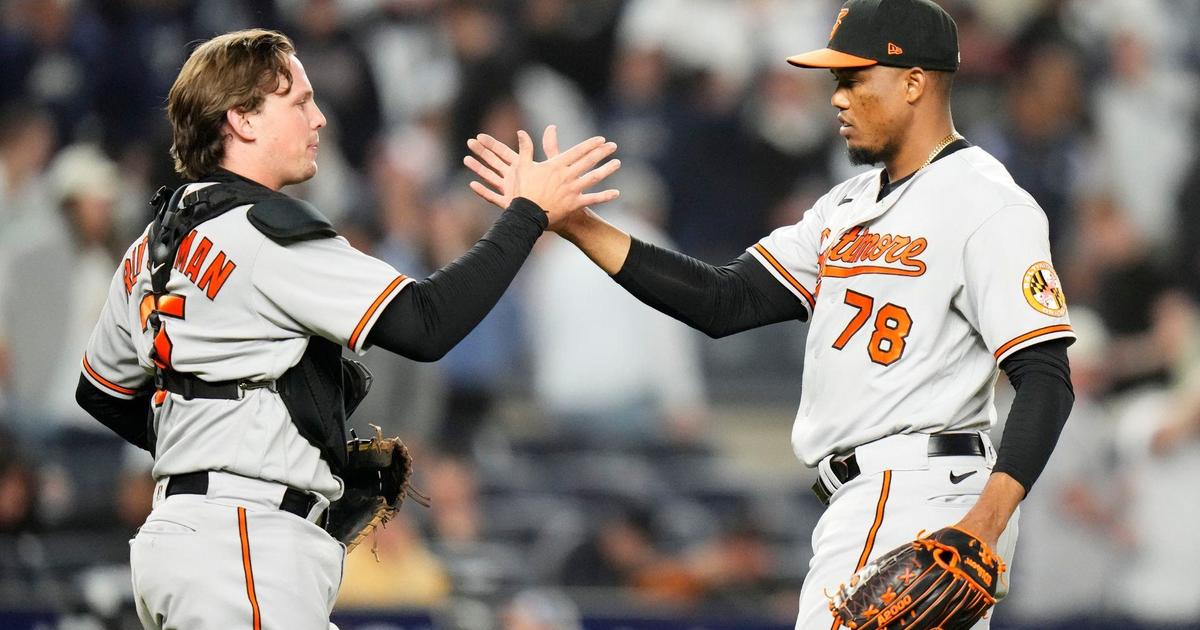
941, 145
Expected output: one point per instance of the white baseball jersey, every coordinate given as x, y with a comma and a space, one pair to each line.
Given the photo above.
239, 306
914, 300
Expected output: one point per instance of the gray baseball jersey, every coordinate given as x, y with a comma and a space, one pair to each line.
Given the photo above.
240, 306
914, 300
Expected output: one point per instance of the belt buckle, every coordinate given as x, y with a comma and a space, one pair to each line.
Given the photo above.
840, 468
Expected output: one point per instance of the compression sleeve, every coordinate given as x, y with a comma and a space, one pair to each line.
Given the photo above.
717, 301
1041, 376
431, 316
125, 417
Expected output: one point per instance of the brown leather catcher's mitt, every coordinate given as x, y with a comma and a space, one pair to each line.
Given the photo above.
377, 480
946, 580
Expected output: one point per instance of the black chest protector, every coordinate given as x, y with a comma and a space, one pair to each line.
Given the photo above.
323, 388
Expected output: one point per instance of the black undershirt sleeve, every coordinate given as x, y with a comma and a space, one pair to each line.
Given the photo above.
431, 316
1041, 376
717, 301
126, 418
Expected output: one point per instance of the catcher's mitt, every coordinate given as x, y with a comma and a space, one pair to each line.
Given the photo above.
377, 479
946, 580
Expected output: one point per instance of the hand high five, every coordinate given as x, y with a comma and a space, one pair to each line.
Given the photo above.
556, 184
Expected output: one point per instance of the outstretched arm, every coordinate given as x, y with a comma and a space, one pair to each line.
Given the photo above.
718, 301
496, 165
431, 316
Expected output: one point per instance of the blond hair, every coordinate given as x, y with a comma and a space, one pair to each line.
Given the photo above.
232, 71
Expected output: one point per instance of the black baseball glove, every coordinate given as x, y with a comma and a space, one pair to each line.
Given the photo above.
946, 580
377, 479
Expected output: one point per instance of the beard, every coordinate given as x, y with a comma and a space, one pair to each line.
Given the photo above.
862, 156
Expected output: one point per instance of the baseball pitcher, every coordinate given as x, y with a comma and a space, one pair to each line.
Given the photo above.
920, 280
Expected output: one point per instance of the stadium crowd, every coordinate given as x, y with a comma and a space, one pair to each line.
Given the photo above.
579, 447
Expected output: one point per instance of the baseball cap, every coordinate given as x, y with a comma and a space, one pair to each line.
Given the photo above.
901, 33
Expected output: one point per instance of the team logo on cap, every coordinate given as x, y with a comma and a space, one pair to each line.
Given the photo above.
838, 23
1043, 290
894, 49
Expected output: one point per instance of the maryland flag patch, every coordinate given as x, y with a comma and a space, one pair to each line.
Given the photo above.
1043, 290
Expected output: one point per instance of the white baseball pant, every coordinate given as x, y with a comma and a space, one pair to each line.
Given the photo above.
233, 559
900, 491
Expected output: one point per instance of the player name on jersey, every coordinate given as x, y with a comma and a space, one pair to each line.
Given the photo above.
208, 278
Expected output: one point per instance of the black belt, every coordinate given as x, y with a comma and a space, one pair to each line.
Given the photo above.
846, 468
190, 386
294, 501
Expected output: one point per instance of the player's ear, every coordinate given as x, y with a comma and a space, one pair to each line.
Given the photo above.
240, 124
916, 83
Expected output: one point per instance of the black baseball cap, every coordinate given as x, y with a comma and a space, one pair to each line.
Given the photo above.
901, 33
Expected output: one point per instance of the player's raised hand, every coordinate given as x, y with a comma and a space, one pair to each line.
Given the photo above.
498, 165
558, 184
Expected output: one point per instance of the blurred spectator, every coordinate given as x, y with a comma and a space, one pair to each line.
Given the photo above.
412, 60
576, 39
105, 587
23, 572
142, 46
1117, 274
790, 124
728, 573
18, 492
710, 39
540, 609
341, 75
1144, 102
1160, 504
454, 493
135, 490
615, 553
637, 112
477, 567
1040, 138
1181, 427
604, 365
49, 53
27, 141
48, 330
393, 569
479, 35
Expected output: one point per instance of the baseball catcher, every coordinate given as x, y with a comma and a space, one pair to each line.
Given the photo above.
946, 580
378, 477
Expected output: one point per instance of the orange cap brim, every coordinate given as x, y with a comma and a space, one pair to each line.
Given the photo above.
829, 58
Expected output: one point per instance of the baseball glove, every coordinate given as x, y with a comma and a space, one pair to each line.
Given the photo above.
946, 580
377, 479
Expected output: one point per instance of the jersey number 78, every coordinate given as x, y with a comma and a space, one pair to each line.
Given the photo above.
892, 324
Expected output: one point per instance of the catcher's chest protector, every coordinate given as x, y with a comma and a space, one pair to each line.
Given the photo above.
320, 388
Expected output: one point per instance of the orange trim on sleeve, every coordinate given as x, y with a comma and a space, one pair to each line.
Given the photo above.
1032, 334
247, 569
105, 382
812, 303
362, 323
